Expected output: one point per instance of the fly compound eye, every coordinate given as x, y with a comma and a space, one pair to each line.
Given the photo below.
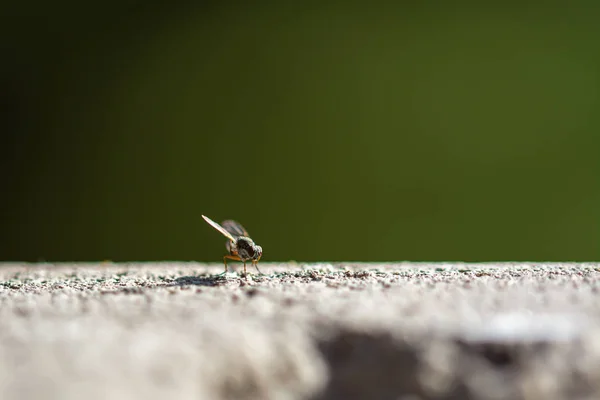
258, 252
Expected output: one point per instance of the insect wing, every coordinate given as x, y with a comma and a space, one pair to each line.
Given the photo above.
219, 228
235, 228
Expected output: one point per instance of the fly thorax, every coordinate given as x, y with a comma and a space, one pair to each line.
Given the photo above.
246, 248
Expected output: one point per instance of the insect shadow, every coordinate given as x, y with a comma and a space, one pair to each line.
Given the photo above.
203, 280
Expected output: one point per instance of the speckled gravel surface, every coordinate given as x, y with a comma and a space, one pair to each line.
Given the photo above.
300, 331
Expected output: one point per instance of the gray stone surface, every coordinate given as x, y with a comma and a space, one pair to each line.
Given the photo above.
300, 331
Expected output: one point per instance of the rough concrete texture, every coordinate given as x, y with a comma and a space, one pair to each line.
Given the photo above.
300, 331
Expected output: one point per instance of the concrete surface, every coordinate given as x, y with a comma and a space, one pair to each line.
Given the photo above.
300, 331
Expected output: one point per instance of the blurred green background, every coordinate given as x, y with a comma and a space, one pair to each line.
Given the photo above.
331, 130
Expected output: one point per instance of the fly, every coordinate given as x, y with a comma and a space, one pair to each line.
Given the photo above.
240, 246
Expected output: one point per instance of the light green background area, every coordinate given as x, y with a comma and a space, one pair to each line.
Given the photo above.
331, 131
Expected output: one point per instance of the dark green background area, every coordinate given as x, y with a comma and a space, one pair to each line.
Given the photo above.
331, 130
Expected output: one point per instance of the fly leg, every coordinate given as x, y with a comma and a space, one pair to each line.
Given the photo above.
255, 263
228, 256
